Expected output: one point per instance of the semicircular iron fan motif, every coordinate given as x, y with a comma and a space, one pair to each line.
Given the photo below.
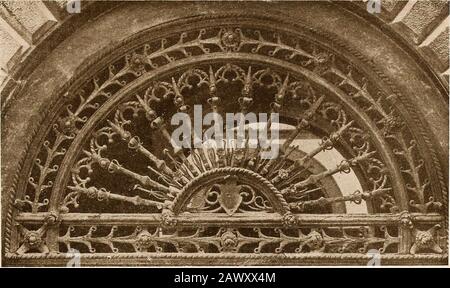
226, 172
132, 155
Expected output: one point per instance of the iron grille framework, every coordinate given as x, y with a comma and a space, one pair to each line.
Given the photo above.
107, 182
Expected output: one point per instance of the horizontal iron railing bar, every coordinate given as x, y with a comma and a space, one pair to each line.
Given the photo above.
224, 259
252, 218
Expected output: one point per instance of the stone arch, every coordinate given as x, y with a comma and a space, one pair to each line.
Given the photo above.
399, 111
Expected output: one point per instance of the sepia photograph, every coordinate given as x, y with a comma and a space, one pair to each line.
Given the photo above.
224, 134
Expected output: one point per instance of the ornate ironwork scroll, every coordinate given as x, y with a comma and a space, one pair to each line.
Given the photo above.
116, 187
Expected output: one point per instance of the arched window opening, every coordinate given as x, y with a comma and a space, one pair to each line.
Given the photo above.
104, 178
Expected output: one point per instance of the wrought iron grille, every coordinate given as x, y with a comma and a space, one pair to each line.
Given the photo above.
107, 182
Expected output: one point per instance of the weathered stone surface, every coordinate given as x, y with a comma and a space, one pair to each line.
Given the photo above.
8, 47
391, 8
391, 5
61, 3
388, 4
440, 46
28, 13
424, 16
